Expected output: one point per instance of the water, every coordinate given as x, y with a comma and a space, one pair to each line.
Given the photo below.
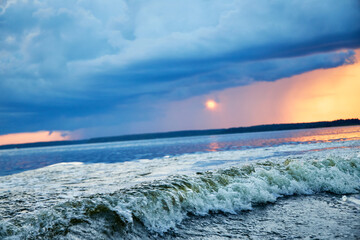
272, 185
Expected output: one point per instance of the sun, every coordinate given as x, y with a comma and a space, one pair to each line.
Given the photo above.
211, 104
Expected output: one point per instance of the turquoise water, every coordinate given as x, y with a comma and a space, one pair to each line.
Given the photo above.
205, 187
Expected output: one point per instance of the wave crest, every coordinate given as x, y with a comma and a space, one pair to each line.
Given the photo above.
156, 207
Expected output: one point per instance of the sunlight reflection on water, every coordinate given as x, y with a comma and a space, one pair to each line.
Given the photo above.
18, 160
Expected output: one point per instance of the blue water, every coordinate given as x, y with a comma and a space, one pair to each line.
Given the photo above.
209, 187
18, 160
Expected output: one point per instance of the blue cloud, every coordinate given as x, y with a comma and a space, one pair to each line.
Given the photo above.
63, 63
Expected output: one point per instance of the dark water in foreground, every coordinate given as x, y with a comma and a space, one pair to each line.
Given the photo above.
321, 216
274, 185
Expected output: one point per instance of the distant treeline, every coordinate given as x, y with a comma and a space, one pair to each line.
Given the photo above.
190, 133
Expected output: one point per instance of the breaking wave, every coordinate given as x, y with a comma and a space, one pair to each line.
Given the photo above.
151, 209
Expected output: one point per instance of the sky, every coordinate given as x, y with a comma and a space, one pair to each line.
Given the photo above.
90, 68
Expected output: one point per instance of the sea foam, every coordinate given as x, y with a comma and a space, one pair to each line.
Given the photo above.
158, 206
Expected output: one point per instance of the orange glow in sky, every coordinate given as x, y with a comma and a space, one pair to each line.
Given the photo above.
211, 104
319, 95
325, 94
29, 137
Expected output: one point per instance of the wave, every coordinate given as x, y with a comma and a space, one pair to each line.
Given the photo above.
151, 209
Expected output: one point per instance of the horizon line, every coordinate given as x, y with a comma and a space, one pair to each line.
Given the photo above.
193, 132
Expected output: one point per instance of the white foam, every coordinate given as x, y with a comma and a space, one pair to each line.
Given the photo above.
58, 193
162, 204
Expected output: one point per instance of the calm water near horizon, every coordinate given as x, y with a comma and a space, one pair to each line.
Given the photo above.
18, 160
191, 187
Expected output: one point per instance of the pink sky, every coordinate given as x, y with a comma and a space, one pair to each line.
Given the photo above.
29, 137
319, 95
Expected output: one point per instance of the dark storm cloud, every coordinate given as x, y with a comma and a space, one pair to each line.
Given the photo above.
64, 63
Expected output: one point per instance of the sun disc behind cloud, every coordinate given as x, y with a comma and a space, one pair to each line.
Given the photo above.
211, 104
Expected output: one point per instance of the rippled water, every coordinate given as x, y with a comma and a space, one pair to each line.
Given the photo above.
279, 185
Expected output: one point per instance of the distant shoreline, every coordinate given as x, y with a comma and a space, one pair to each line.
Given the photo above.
191, 133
